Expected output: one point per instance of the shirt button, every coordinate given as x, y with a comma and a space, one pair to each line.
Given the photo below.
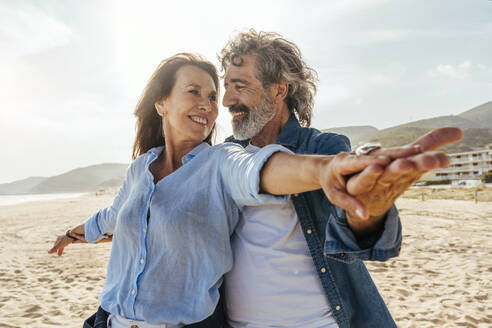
142, 261
134, 292
342, 255
338, 308
309, 231
323, 270
144, 230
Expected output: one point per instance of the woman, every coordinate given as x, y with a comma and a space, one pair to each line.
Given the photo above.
181, 200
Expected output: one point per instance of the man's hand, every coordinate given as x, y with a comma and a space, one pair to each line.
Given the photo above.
378, 187
332, 178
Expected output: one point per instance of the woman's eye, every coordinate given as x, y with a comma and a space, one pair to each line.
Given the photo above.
194, 92
213, 98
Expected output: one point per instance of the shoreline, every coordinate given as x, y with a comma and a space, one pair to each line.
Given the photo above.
17, 199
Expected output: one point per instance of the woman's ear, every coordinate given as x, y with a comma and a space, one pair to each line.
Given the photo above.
160, 107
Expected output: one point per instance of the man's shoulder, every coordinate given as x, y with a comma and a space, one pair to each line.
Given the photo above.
243, 143
315, 141
310, 141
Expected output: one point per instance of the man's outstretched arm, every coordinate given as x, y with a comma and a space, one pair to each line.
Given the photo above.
377, 187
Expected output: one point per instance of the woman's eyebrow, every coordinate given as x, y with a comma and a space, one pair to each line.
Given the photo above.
194, 85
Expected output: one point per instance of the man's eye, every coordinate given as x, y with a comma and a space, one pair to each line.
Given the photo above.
239, 87
194, 92
213, 98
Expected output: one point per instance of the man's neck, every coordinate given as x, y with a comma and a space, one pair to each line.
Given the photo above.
270, 132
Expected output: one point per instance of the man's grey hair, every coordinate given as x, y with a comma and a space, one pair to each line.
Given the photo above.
278, 61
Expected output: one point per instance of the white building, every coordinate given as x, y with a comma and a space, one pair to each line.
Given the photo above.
466, 168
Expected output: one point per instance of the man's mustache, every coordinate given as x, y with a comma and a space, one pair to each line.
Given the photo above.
239, 109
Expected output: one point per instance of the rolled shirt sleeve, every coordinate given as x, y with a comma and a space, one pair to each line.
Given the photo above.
241, 171
341, 244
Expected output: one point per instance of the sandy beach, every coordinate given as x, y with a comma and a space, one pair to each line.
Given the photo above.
443, 277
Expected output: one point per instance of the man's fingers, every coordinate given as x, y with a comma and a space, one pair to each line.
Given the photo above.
354, 164
396, 170
398, 152
348, 203
364, 181
430, 160
438, 138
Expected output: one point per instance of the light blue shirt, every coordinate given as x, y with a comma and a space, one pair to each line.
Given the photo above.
167, 269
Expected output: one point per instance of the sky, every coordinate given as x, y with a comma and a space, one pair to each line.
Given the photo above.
71, 72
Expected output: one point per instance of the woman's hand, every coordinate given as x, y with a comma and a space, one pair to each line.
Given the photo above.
74, 236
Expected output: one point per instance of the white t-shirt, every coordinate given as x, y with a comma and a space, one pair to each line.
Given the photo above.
274, 282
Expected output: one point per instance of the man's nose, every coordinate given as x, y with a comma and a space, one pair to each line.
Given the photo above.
229, 99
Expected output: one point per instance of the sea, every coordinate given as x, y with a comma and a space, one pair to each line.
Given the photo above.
18, 199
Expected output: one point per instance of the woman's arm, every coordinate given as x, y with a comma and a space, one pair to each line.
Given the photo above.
73, 236
100, 225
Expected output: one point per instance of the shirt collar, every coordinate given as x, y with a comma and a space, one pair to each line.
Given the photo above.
195, 151
186, 158
289, 135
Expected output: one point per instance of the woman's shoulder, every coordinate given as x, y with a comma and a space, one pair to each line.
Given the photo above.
215, 155
227, 147
141, 161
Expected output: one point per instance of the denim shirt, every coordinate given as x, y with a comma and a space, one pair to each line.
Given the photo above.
171, 242
338, 256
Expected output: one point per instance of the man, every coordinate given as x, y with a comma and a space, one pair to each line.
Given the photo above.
300, 264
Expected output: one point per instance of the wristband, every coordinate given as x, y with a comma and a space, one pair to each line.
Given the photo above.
68, 234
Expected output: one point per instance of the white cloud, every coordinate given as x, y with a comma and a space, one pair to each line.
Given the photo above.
460, 71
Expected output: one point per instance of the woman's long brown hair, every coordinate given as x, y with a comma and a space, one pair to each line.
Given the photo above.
149, 124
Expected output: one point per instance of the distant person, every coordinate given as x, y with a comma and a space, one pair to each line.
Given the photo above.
172, 219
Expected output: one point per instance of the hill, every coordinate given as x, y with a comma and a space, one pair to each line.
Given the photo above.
353, 132
440, 121
84, 179
481, 115
476, 124
23, 186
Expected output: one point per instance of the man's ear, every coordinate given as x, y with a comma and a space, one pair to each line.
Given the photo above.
160, 107
280, 91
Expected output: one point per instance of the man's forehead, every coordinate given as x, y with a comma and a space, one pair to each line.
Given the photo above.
247, 70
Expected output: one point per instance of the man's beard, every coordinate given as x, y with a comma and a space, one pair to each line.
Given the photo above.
253, 120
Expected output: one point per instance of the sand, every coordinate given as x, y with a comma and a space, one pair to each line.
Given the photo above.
441, 279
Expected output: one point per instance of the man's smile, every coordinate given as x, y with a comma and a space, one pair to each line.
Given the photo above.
237, 115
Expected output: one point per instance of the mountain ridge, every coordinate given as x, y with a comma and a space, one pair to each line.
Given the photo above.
83, 179
476, 124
